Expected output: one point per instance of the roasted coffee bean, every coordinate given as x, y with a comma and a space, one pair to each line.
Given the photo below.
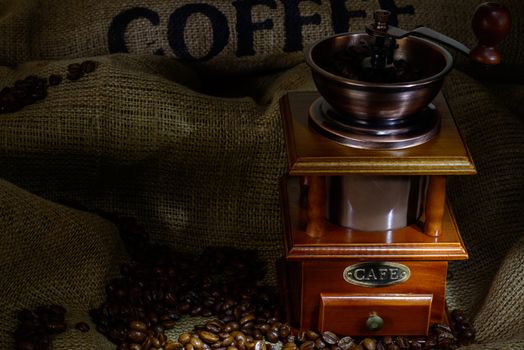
82, 327
146, 344
381, 346
55, 79
345, 343
138, 326
135, 346
394, 347
467, 336
223, 335
329, 338
241, 345
196, 310
289, 346
248, 325
74, 67
55, 328
272, 336
208, 337
168, 324
184, 338
157, 329
257, 334
319, 344
387, 340
307, 345
155, 342
369, 344
458, 316
260, 345
196, 342
264, 327
74, 76
171, 345
88, 66
443, 336
402, 342
239, 336
136, 336
246, 319
214, 326
311, 335
284, 331
228, 341
232, 326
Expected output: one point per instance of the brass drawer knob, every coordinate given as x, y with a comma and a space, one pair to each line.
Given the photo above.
374, 322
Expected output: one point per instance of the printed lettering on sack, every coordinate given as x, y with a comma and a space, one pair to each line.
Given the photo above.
340, 16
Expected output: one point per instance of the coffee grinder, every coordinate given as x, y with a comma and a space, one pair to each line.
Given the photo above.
368, 230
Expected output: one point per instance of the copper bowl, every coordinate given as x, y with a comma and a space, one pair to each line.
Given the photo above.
379, 101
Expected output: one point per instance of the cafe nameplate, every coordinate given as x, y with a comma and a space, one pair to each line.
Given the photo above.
376, 274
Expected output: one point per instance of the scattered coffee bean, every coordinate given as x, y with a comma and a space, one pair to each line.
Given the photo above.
36, 327
74, 68
88, 66
32, 88
55, 79
152, 293
82, 327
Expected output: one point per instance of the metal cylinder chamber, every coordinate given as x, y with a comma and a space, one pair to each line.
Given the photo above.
375, 203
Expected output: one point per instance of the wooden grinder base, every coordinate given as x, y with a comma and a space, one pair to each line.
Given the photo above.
318, 253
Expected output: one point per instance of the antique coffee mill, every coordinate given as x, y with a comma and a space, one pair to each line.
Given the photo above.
368, 231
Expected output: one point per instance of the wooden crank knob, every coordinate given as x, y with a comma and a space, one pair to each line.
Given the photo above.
491, 23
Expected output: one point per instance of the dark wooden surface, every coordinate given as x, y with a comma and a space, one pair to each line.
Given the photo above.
348, 313
309, 153
491, 23
435, 205
409, 243
307, 280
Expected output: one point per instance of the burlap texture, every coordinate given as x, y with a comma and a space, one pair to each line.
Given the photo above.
511, 95
196, 170
136, 137
218, 35
51, 254
488, 207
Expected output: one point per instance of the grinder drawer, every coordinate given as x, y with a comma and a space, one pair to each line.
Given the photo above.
377, 314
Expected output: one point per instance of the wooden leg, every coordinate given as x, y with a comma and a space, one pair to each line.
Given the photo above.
316, 206
435, 203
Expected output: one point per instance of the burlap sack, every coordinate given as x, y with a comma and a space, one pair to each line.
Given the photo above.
225, 36
139, 137
488, 207
196, 170
51, 254
512, 95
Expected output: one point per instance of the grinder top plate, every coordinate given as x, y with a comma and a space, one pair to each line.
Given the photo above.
396, 134
312, 153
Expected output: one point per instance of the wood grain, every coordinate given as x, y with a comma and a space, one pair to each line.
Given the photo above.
409, 243
309, 153
403, 314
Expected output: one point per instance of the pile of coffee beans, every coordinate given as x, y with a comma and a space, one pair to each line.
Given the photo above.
150, 298
354, 63
36, 328
33, 88
462, 328
221, 284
